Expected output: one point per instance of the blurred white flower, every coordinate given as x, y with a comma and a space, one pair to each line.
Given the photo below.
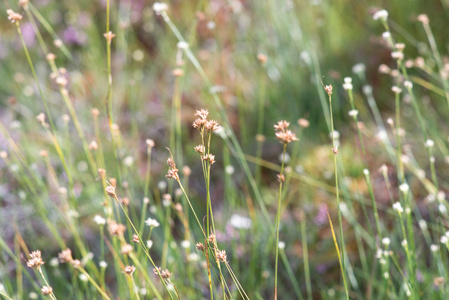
152, 222
229, 170
182, 45
193, 257
404, 188
160, 7
83, 277
408, 84
54, 262
398, 207
240, 222
185, 244
99, 220
128, 161
430, 143
434, 248
281, 245
380, 15
353, 113
359, 68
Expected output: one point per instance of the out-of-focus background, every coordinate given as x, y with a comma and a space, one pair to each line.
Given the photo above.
264, 61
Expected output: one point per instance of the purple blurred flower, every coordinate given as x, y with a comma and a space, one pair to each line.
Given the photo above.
72, 36
28, 34
321, 216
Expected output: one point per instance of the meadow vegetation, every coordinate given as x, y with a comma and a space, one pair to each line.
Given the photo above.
220, 149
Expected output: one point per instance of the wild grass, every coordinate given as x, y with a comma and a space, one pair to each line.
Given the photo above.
145, 150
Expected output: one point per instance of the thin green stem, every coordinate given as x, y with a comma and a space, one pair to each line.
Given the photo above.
278, 220
335, 151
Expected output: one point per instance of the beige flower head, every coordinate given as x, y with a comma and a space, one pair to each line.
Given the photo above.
202, 113
221, 255
46, 290
116, 228
12, 16
35, 260
165, 274
130, 270
328, 89
65, 256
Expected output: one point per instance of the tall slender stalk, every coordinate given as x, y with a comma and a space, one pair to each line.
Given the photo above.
328, 89
278, 220
285, 136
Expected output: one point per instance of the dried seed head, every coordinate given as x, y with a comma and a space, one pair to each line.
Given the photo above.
260, 138
125, 201
210, 158
65, 256
281, 126
172, 171
262, 58
212, 238
93, 145
101, 173
171, 162
165, 274
129, 270
286, 137
115, 228
51, 57
423, 18
110, 190
173, 174
41, 119
200, 149
303, 123
281, 177
109, 36
202, 113
199, 123
186, 171
178, 72
23, 3
135, 238
211, 125
12, 16
95, 112
221, 255
35, 260
200, 246
76, 263
43, 153
178, 207
126, 249
46, 290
